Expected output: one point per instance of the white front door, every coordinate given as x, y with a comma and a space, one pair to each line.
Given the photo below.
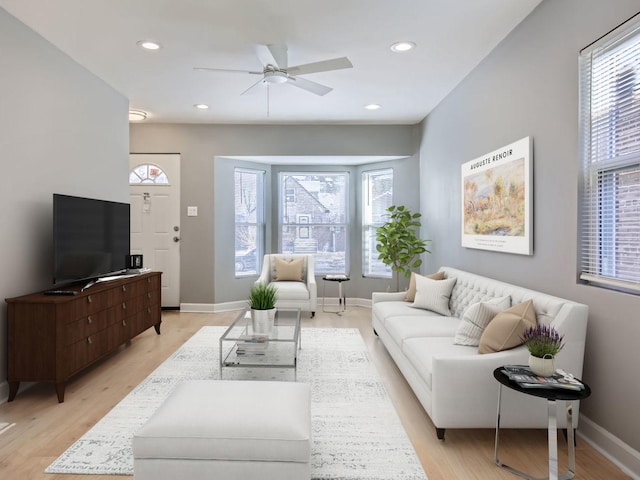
154, 186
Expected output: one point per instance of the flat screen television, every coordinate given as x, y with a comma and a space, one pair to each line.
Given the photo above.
91, 238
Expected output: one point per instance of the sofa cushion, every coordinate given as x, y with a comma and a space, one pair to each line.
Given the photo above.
421, 351
433, 295
476, 318
288, 269
506, 329
385, 310
291, 290
411, 291
401, 328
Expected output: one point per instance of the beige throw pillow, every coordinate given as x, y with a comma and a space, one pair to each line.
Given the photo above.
475, 319
433, 295
506, 328
411, 292
288, 270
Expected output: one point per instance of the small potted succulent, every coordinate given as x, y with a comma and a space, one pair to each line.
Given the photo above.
543, 342
262, 301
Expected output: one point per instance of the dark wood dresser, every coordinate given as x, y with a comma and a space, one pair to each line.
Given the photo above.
52, 337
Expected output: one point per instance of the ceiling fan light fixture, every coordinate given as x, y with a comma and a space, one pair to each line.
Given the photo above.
401, 47
137, 115
275, 76
149, 45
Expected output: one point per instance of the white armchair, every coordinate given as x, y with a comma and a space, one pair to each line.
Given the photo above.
294, 278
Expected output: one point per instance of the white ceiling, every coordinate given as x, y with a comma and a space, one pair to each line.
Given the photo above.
452, 37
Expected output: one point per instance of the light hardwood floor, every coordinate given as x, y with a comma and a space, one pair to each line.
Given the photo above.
44, 429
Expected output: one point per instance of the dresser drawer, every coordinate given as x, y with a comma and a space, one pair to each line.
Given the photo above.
92, 304
81, 353
86, 326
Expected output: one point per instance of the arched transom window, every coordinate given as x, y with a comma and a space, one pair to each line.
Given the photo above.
148, 173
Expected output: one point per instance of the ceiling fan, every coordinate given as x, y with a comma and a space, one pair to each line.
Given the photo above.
276, 70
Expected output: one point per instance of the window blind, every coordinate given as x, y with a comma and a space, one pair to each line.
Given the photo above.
610, 150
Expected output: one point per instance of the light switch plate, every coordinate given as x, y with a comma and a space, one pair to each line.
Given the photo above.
192, 211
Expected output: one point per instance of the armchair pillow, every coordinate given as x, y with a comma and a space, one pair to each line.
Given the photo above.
506, 329
288, 270
433, 295
411, 291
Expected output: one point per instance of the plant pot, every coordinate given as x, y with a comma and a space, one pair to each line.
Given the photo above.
262, 321
545, 367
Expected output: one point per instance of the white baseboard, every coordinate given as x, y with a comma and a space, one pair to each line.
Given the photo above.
239, 305
618, 452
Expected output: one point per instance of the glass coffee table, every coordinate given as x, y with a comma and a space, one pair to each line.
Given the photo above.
241, 347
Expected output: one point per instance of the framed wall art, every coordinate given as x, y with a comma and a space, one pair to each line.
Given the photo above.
497, 200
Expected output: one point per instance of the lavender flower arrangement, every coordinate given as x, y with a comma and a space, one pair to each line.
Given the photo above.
543, 341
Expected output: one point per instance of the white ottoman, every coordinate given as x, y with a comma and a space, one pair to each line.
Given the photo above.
227, 430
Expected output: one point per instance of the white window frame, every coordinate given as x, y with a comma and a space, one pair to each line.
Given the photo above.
370, 224
610, 152
303, 222
258, 224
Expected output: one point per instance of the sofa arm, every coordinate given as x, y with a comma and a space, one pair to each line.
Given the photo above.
387, 297
464, 390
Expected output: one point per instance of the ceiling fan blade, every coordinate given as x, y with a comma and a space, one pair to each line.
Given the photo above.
309, 86
275, 55
253, 88
228, 70
323, 66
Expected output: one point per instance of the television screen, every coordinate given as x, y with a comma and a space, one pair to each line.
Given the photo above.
91, 238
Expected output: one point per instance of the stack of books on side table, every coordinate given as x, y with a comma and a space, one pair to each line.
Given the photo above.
252, 345
525, 378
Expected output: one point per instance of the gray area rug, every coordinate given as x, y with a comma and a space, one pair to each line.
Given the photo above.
357, 434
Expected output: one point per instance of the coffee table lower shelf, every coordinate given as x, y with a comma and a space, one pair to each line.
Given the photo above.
240, 347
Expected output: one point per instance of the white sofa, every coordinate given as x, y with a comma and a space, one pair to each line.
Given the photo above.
454, 383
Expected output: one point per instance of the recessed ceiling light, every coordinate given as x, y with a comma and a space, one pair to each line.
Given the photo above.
137, 115
373, 106
201, 106
149, 45
401, 47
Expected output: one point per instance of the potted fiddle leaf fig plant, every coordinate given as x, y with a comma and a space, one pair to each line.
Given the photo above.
398, 242
543, 342
262, 301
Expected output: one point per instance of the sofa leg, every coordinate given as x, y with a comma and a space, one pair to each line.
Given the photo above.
374, 331
440, 433
313, 314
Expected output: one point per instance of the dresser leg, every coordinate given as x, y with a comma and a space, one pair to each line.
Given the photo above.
157, 327
13, 390
60, 386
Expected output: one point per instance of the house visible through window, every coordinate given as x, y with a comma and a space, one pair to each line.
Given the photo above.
610, 144
249, 221
377, 193
314, 218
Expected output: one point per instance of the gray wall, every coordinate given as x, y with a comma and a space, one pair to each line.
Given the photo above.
62, 130
528, 86
207, 241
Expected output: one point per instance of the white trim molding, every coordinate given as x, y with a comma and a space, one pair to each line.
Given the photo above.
614, 449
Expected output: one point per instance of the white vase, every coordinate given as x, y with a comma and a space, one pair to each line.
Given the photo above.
544, 367
262, 321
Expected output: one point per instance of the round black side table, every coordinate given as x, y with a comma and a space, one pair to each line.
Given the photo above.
552, 395
342, 296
